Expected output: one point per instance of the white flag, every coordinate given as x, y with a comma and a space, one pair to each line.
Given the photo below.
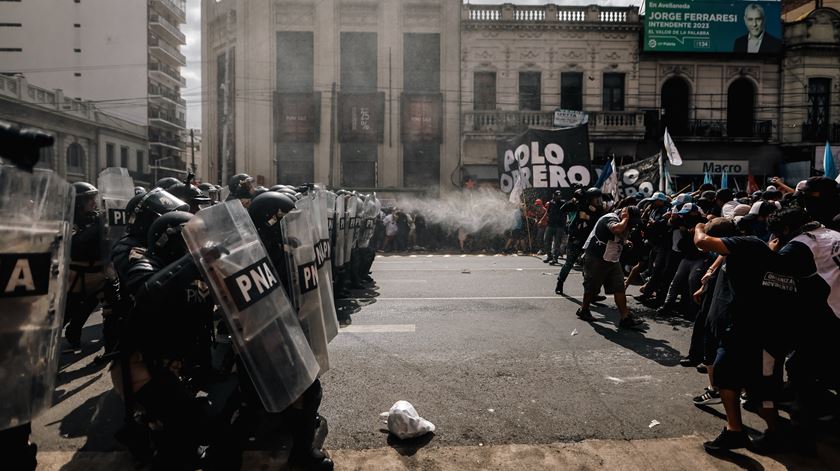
671, 149
611, 183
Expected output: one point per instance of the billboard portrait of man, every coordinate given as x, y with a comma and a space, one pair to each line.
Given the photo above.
757, 40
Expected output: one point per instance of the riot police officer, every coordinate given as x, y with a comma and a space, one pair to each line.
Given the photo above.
587, 208
87, 280
166, 182
191, 195
169, 365
241, 187
209, 190
308, 427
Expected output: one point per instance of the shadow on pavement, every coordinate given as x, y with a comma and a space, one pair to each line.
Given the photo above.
657, 350
355, 300
410, 446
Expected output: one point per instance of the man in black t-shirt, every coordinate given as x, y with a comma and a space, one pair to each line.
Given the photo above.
744, 326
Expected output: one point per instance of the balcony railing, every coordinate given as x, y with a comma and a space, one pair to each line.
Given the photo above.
171, 52
177, 8
549, 14
170, 72
157, 20
719, 128
617, 123
168, 118
155, 91
826, 132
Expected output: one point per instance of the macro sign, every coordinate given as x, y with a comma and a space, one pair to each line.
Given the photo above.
739, 27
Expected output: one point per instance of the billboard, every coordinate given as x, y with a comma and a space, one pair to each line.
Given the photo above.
740, 27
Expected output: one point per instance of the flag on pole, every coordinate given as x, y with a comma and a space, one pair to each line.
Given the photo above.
707, 178
661, 173
671, 149
606, 170
610, 185
828, 163
724, 180
669, 188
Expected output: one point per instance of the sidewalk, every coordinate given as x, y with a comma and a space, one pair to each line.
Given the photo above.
685, 453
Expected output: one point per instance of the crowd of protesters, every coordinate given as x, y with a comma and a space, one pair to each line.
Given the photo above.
758, 274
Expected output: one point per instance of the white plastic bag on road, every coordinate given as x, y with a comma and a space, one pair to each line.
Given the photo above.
405, 423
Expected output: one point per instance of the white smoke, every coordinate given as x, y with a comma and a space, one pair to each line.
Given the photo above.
470, 211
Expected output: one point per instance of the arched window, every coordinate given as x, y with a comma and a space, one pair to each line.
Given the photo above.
75, 158
45, 158
675, 103
740, 109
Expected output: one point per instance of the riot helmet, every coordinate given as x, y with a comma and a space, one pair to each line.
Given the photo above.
258, 191
167, 182
267, 210
150, 207
85, 202
191, 195
209, 190
241, 186
139, 190
165, 240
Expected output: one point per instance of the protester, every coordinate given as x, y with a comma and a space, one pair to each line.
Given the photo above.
555, 221
601, 263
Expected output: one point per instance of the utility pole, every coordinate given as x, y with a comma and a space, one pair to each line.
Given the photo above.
192, 147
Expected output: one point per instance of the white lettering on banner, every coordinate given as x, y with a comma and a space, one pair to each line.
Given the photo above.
21, 277
540, 170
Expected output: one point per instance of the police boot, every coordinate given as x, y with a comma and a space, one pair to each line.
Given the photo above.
166, 400
355, 267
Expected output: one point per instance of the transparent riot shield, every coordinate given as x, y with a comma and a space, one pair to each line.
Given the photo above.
36, 211
298, 242
116, 188
340, 229
352, 225
262, 321
368, 221
320, 223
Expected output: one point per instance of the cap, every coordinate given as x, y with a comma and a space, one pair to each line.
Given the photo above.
635, 214
689, 208
708, 195
741, 210
771, 188
682, 199
763, 208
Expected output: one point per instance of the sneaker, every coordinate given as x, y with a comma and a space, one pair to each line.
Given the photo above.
585, 315
770, 442
702, 369
710, 396
559, 288
554, 262
689, 362
630, 322
598, 298
547, 259
727, 440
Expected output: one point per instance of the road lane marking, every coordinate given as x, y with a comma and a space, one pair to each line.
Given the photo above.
392, 280
459, 269
630, 379
377, 328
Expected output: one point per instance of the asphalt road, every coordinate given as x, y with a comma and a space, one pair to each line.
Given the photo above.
479, 344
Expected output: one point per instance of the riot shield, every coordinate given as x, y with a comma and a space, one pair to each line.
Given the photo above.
368, 221
36, 211
261, 320
320, 223
352, 225
340, 229
299, 245
116, 187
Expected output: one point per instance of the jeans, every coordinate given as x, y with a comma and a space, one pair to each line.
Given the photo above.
575, 251
553, 240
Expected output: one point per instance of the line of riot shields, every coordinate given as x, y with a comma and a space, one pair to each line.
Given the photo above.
217, 315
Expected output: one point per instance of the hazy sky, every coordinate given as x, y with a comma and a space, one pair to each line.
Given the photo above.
192, 93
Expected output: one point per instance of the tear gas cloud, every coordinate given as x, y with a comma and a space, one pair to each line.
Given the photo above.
471, 211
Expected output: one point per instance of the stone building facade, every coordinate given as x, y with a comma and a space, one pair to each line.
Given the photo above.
360, 93
86, 140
